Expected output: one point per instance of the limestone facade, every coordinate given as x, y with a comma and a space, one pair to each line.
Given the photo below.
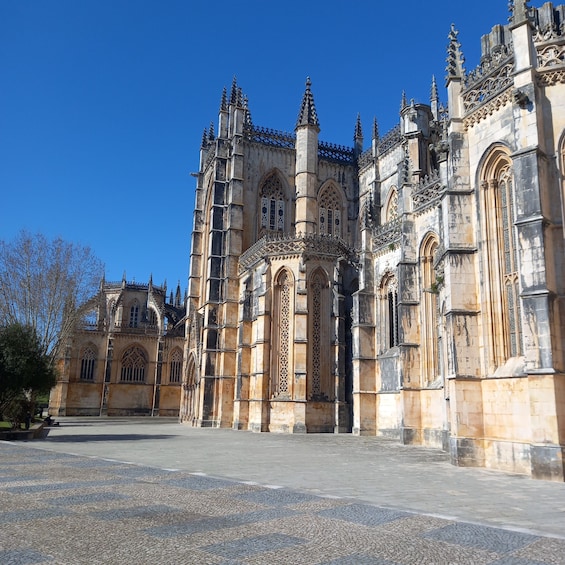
127, 357
414, 289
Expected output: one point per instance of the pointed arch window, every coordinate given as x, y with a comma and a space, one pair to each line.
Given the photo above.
320, 378
500, 260
134, 362
134, 314
281, 363
391, 210
329, 212
175, 371
272, 204
389, 311
429, 353
88, 364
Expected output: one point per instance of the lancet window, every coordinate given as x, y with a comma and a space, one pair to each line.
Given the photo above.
389, 311
134, 362
134, 315
88, 364
272, 204
429, 353
329, 212
501, 259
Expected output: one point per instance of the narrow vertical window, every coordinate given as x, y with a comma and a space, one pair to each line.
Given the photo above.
429, 353
272, 204
134, 315
282, 331
329, 212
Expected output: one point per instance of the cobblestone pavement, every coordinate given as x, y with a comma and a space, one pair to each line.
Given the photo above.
107, 492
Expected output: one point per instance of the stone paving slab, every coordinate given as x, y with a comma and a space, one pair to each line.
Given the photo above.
73, 510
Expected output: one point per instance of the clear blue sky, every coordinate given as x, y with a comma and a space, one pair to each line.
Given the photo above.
103, 102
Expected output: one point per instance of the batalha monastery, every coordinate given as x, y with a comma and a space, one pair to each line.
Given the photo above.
412, 289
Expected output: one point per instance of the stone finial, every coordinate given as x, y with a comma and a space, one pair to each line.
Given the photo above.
239, 100
455, 59
204, 141
224, 101
519, 10
233, 93
375, 129
403, 102
307, 115
211, 134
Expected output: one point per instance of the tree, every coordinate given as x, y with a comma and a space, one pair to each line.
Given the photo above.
24, 369
46, 284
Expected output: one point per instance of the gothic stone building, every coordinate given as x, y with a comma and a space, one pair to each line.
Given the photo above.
126, 359
413, 290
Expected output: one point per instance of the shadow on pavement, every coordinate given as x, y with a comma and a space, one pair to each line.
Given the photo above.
105, 437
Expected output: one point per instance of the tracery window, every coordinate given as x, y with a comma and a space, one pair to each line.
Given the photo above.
319, 381
134, 362
272, 204
391, 212
134, 315
87, 364
429, 353
329, 212
175, 362
281, 364
501, 259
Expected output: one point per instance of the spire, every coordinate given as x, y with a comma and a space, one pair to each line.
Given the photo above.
150, 287
455, 57
307, 115
178, 296
519, 11
375, 129
224, 102
434, 92
233, 93
403, 102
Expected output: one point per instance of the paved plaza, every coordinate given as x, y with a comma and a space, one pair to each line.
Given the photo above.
153, 491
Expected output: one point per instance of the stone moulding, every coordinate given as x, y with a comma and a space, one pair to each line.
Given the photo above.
488, 109
286, 246
428, 192
388, 234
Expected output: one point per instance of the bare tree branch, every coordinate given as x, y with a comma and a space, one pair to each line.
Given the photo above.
43, 284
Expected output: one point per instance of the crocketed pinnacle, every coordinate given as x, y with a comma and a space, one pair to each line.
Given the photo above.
204, 138
455, 57
224, 102
358, 135
307, 115
403, 102
211, 134
375, 129
233, 93
247, 118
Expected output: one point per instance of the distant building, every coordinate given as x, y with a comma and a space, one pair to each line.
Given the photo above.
413, 290
127, 358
